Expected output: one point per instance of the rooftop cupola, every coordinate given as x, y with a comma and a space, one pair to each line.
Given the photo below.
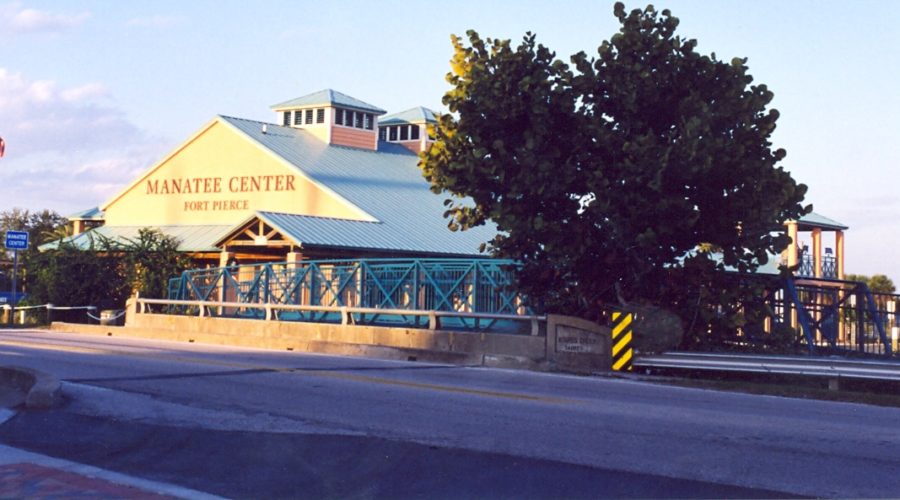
408, 128
333, 117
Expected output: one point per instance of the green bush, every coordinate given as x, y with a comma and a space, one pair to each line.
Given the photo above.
106, 273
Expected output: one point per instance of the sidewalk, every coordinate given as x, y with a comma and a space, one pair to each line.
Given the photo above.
30, 475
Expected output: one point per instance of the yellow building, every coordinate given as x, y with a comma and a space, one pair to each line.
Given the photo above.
332, 178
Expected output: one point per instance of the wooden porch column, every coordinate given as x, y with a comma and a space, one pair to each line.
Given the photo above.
224, 257
791, 250
839, 253
817, 252
293, 258
224, 295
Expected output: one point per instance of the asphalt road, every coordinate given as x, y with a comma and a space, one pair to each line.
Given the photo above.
251, 423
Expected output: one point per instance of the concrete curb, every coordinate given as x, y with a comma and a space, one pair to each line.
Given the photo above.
43, 391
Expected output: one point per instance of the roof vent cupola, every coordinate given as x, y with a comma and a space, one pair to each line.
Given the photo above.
333, 117
408, 128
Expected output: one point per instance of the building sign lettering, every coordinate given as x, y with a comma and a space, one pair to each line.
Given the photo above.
570, 339
204, 185
237, 184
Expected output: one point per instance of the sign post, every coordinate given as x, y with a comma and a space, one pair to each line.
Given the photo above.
15, 241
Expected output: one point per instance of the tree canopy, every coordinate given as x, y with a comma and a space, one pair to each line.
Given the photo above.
878, 283
42, 226
620, 177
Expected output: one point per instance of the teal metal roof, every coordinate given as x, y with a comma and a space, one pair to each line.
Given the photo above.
415, 115
814, 220
193, 238
323, 232
386, 184
90, 214
329, 97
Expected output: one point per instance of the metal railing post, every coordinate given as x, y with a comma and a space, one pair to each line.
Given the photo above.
434, 322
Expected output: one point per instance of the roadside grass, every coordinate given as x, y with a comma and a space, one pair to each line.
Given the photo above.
879, 393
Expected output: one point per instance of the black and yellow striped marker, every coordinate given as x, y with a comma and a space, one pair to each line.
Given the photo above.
621, 341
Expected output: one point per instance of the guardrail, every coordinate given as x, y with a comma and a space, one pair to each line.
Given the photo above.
348, 315
22, 310
830, 368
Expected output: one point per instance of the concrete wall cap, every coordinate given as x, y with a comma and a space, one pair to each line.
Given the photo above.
43, 391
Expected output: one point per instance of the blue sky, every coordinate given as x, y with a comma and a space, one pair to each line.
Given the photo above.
92, 93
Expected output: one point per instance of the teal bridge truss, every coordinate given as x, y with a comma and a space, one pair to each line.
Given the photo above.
457, 285
828, 316
838, 316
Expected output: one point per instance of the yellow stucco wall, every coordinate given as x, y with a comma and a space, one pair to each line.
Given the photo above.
222, 177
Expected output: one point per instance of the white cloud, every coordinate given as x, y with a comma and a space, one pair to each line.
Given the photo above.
15, 18
38, 116
67, 148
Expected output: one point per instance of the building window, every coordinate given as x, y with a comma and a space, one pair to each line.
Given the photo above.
320, 116
338, 116
404, 133
348, 118
309, 116
370, 121
298, 117
393, 133
286, 118
359, 120
414, 132
382, 133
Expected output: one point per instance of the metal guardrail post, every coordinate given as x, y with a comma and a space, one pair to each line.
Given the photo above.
434, 322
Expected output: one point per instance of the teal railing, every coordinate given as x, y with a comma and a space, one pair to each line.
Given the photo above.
457, 285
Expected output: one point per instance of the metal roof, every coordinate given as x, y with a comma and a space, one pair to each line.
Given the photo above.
386, 184
415, 115
89, 214
814, 220
329, 97
308, 231
192, 238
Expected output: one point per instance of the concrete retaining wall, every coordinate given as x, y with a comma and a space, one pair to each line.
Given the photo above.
571, 344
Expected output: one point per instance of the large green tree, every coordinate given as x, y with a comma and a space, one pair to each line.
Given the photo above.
635, 175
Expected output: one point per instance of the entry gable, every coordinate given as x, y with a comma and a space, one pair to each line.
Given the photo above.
256, 232
221, 176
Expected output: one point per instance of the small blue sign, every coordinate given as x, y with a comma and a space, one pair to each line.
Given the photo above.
16, 240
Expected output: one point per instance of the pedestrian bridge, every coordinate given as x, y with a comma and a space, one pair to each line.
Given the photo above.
460, 294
